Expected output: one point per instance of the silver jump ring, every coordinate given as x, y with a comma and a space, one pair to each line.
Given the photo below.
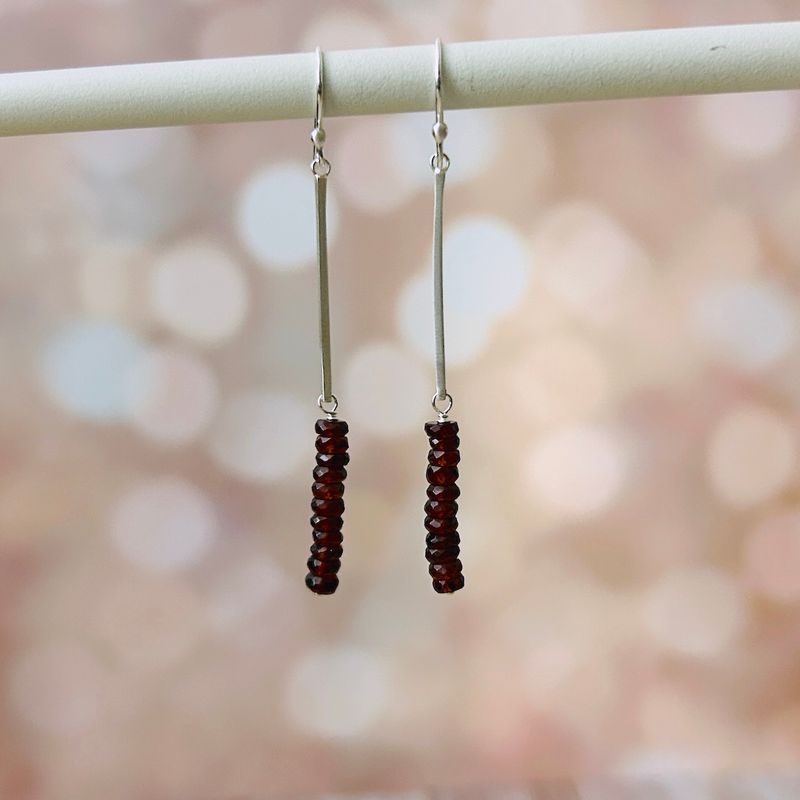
442, 412
320, 166
322, 402
440, 163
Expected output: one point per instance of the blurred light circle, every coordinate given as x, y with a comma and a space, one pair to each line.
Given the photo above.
262, 436
343, 28
586, 259
750, 324
86, 368
772, 556
243, 599
276, 218
57, 687
173, 396
696, 611
336, 692
367, 169
380, 379
561, 379
579, 471
104, 281
199, 291
472, 142
466, 335
150, 623
489, 270
113, 154
751, 456
163, 524
748, 125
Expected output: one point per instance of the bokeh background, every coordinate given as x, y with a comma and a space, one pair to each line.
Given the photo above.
624, 348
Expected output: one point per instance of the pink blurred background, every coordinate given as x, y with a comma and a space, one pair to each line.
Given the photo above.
624, 351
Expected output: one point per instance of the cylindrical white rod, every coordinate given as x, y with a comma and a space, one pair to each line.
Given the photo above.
737, 58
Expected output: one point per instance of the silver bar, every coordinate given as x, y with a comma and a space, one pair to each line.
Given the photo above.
321, 185
438, 287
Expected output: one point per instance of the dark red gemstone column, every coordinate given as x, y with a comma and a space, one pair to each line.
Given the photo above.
440, 521
328, 505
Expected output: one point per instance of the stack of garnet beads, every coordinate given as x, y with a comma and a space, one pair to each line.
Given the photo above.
328, 505
440, 521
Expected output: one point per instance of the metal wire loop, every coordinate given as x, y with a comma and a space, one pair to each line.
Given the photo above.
332, 401
440, 162
320, 166
447, 399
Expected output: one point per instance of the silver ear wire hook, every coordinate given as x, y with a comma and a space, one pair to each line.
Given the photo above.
439, 161
320, 165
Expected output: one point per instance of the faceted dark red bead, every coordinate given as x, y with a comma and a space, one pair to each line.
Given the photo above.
329, 474
338, 460
328, 508
326, 524
448, 570
449, 492
450, 524
322, 584
441, 509
327, 551
436, 540
328, 566
327, 538
331, 444
441, 476
442, 555
448, 585
448, 444
327, 491
446, 429
444, 458
331, 427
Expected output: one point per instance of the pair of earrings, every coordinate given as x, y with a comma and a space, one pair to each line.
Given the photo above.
442, 539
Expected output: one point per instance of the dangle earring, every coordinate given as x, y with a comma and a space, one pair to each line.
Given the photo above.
440, 521
332, 457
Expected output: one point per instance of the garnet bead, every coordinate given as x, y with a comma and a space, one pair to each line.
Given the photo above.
326, 524
447, 570
329, 474
442, 555
327, 539
322, 584
448, 585
441, 509
449, 443
446, 525
445, 429
444, 458
451, 492
325, 551
331, 427
328, 508
436, 540
338, 460
323, 566
441, 476
331, 444
327, 491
